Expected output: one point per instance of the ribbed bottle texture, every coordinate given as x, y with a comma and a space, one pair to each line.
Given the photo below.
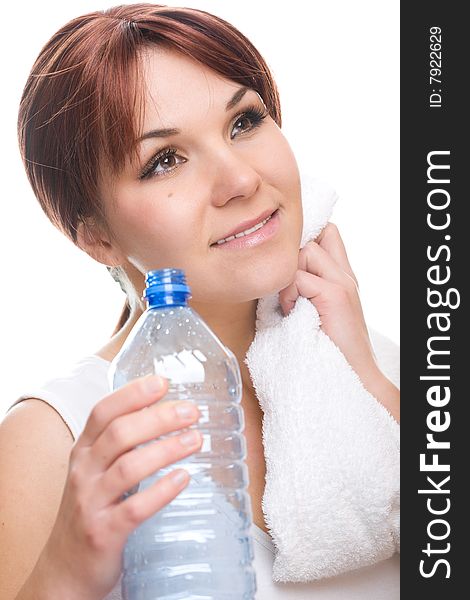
198, 546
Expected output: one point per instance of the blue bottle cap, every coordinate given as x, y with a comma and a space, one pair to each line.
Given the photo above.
166, 287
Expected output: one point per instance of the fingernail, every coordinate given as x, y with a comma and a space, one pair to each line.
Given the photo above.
153, 384
179, 477
191, 438
185, 410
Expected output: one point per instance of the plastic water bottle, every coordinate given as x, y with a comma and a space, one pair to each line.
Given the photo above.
199, 546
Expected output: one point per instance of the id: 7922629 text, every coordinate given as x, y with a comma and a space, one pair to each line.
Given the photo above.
435, 67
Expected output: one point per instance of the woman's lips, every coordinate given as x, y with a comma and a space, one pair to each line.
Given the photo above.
259, 236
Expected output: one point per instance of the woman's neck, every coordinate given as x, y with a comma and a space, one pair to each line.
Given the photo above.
235, 326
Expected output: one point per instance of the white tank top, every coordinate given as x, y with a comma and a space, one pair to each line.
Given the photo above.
73, 395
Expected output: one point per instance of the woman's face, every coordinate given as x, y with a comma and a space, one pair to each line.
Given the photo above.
192, 188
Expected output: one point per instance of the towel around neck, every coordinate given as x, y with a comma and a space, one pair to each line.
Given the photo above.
331, 499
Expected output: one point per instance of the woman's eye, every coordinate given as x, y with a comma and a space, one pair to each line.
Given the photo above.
249, 120
162, 163
167, 162
242, 120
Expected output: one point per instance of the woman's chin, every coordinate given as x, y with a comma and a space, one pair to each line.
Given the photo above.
269, 283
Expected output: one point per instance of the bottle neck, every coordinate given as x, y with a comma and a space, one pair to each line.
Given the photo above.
167, 299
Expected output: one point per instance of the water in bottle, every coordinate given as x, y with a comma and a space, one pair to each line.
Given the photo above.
198, 546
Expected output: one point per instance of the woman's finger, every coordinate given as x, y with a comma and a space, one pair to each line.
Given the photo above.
135, 466
316, 260
128, 514
139, 427
310, 286
287, 297
330, 240
135, 395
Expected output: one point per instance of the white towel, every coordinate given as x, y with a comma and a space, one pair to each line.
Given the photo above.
331, 499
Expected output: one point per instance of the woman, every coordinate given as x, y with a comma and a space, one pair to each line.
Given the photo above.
150, 135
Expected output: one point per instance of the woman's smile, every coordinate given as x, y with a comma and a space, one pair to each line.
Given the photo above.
253, 236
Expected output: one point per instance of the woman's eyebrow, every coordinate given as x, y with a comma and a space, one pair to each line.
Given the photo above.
157, 133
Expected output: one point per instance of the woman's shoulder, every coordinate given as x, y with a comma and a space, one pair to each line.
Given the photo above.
33, 422
72, 393
35, 446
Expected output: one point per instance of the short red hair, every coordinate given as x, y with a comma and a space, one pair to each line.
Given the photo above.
81, 99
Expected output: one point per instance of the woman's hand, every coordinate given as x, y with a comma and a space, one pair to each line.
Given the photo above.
325, 277
83, 552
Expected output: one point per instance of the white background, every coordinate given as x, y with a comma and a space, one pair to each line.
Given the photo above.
336, 64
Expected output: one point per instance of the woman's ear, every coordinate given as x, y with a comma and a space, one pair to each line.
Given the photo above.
92, 239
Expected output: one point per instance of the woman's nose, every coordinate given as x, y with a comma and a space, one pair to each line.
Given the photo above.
233, 175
